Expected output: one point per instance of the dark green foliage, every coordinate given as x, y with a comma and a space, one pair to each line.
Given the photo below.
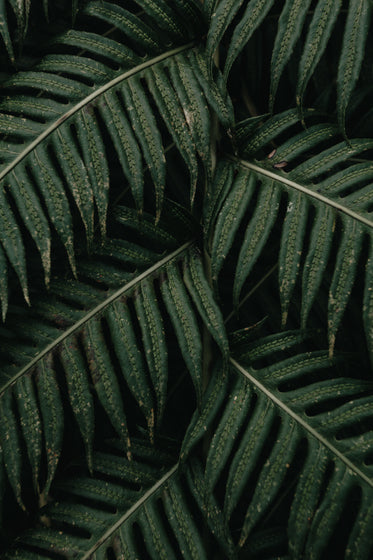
186, 280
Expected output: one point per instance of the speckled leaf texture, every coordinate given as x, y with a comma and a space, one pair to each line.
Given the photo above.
186, 279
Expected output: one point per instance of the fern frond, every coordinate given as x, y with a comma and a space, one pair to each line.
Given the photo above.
304, 192
66, 334
353, 50
234, 34
144, 506
290, 402
13, 33
55, 126
290, 26
96, 352
96, 512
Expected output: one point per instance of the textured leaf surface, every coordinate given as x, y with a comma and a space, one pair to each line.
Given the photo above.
55, 154
64, 341
353, 50
289, 29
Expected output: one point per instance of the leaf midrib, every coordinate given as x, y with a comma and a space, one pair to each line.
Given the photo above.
301, 188
95, 311
349, 464
112, 83
144, 498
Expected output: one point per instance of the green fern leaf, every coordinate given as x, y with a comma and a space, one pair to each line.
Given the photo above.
319, 31
76, 177
200, 291
353, 50
130, 359
194, 106
55, 146
252, 141
189, 536
256, 235
368, 304
249, 351
344, 276
154, 340
215, 91
223, 179
56, 200
13, 246
220, 21
52, 414
329, 158
184, 321
230, 215
212, 401
317, 258
126, 22
66, 339
104, 380
324, 196
213, 513
144, 125
313, 514
95, 163
169, 107
254, 14
224, 437
79, 393
293, 232
290, 26
4, 31
33, 216
3, 284
10, 445
30, 422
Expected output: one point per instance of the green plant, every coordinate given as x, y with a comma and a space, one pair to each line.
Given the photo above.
186, 287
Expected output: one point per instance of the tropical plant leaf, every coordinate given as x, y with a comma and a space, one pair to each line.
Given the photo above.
67, 337
14, 32
290, 26
157, 519
179, 308
132, 424
304, 191
77, 349
319, 31
284, 402
54, 156
96, 508
255, 13
355, 36
234, 34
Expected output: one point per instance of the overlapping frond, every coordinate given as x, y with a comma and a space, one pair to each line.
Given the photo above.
297, 431
338, 198
58, 118
100, 344
296, 24
145, 507
131, 425
14, 21
94, 509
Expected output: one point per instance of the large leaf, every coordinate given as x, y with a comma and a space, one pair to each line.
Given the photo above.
64, 334
234, 33
56, 119
290, 419
145, 506
302, 191
95, 350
